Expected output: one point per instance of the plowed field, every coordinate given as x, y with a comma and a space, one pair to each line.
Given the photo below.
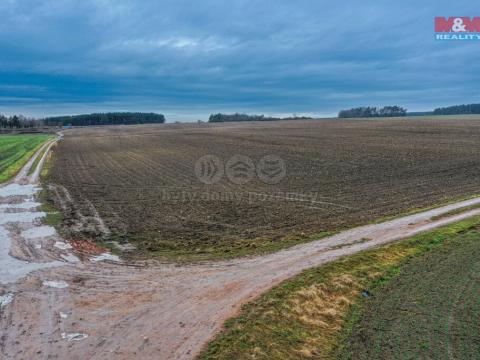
141, 183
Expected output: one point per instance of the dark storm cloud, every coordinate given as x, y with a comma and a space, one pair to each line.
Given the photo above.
190, 58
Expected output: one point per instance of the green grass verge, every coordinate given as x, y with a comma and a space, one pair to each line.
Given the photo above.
309, 316
172, 251
54, 217
438, 204
456, 212
15, 151
37, 161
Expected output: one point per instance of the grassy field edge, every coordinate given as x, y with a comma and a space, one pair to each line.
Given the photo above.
39, 158
257, 246
13, 169
54, 216
310, 315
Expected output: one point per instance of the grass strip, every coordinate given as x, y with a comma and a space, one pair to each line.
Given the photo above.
15, 151
37, 160
53, 217
456, 212
306, 317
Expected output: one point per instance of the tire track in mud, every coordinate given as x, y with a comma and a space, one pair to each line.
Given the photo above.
91, 223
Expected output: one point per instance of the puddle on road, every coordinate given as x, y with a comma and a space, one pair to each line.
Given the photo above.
19, 208
18, 190
38, 232
56, 284
62, 246
27, 205
6, 299
12, 269
63, 315
71, 258
106, 257
74, 336
24, 217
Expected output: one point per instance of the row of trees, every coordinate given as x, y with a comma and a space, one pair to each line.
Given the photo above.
458, 110
18, 122
116, 118
368, 112
215, 118
22, 122
130, 118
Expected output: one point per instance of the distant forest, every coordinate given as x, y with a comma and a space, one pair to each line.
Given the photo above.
132, 118
368, 112
117, 118
17, 122
458, 110
215, 118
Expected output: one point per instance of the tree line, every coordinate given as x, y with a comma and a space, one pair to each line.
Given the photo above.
118, 118
216, 118
458, 110
132, 118
114, 118
368, 112
18, 122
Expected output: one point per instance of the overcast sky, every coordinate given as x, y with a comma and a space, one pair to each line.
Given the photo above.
187, 59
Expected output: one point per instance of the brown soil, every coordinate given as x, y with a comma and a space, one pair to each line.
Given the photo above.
138, 183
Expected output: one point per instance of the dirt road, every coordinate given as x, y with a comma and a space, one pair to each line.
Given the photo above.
23, 238
89, 309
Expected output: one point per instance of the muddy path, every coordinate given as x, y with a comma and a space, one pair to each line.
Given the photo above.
24, 241
58, 307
